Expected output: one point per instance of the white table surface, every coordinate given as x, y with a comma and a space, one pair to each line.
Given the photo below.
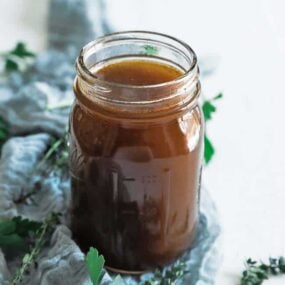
247, 174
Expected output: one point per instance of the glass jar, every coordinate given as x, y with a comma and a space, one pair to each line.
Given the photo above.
136, 154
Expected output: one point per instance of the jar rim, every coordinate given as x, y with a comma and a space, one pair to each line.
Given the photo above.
84, 72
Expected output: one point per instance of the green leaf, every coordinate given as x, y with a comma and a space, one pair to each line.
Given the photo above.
3, 135
208, 149
21, 51
12, 241
11, 65
24, 226
281, 263
17, 57
3, 125
219, 96
7, 227
118, 281
13, 232
208, 108
256, 272
95, 264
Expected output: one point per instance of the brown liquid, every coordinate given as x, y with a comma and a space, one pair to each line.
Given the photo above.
138, 72
135, 187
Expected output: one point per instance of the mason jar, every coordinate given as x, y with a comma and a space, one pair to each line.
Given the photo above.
136, 150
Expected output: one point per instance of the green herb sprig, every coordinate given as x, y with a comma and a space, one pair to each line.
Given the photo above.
58, 151
17, 58
170, 276
42, 235
95, 264
13, 232
208, 108
256, 272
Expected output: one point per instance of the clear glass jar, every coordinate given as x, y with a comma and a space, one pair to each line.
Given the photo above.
136, 154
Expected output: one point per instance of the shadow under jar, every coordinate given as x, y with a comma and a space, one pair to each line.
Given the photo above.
136, 145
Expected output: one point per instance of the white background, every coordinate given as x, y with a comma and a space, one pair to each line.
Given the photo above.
247, 174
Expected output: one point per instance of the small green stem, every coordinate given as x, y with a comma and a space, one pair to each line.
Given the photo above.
49, 153
31, 257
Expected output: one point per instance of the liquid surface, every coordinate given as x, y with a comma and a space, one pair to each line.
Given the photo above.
138, 72
135, 187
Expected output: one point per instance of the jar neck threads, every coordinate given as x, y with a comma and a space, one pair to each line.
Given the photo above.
130, 100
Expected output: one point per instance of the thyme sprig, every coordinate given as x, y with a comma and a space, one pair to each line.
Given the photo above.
169, 276
41, 237
256, 272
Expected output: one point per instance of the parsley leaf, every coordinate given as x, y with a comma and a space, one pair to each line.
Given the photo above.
25, 226
208, 149
7, 227
95, 264
17, 57
11, 65
21, 51
208, 109
13, 241
13, 232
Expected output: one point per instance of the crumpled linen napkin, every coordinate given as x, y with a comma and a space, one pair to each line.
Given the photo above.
26, 101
